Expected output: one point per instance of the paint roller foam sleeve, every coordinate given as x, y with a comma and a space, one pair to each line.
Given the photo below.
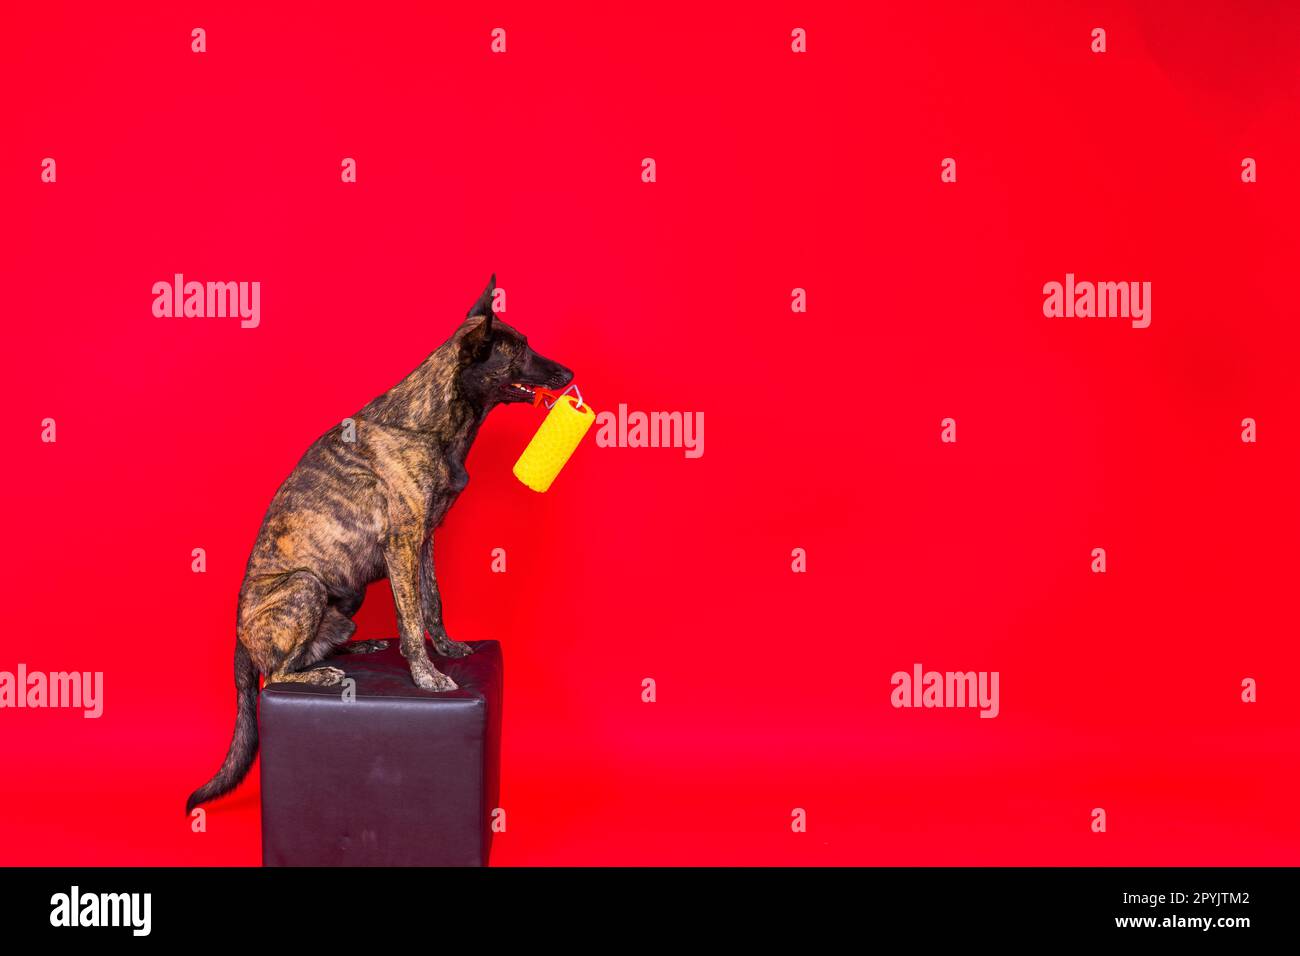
555, 442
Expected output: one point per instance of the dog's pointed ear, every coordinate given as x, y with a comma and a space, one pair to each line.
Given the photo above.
476, 346
484, 304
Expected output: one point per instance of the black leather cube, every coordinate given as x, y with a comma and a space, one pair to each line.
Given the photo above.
399, 776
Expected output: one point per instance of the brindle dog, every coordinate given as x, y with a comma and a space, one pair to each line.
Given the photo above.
353, 512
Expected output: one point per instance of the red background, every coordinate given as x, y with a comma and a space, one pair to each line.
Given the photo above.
775, 171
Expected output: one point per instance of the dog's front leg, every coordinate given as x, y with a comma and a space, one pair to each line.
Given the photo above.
431, 603
402, 556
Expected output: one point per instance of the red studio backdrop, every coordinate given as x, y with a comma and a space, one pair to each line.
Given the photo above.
774, 171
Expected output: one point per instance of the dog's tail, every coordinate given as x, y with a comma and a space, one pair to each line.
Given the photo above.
243, 746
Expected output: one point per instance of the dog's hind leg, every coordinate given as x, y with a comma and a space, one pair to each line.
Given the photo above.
281, 630
361, 647
333, 636
324, 676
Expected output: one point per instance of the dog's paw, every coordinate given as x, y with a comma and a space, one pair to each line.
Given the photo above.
449, 648
362, 647
433, 679
327, 676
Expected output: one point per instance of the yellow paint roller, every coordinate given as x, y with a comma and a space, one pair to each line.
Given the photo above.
555, 441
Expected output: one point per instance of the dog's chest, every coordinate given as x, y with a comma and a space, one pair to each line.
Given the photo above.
421, 478
423, 481
443, 494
